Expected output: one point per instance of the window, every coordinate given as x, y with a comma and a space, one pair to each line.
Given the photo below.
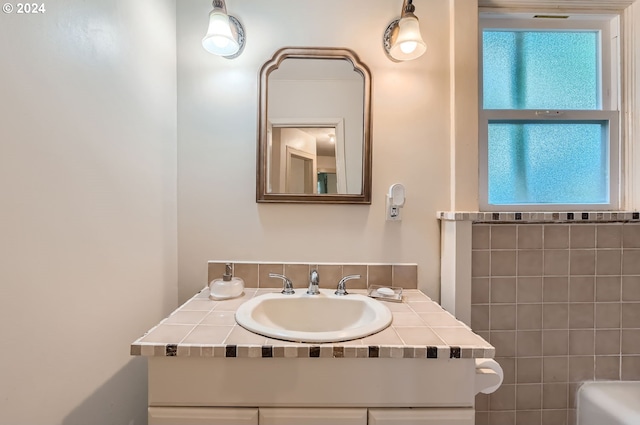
549, 120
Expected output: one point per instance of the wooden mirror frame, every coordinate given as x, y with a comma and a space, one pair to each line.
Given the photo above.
262, 195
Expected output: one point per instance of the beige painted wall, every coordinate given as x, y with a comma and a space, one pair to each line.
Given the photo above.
218, 217
88, 201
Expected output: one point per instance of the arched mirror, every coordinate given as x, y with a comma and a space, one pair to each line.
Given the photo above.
314, 129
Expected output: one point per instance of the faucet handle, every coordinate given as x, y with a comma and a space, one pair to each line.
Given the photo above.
342, 290
287, 287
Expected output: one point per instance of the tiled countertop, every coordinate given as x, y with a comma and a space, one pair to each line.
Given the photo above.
205, 328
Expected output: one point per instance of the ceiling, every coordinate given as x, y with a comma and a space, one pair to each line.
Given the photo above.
324, 145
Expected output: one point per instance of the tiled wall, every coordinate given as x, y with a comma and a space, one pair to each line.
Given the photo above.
256, 275
561, 304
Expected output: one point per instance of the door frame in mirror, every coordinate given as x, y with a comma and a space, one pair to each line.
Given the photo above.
262, 192
300, 123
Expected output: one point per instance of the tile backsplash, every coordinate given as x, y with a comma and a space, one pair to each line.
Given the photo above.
561, 304
256, 275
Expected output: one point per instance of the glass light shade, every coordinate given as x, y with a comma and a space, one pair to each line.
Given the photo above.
408, 44
219, 39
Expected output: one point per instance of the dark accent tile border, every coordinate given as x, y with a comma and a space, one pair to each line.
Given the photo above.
314, 351
432, 352
540, 217
267, 351
231, 351
171, 350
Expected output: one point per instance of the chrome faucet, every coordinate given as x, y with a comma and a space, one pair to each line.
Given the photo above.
287, 287
342, 290
314, 282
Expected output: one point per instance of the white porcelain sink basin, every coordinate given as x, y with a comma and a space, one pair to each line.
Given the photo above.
313, 318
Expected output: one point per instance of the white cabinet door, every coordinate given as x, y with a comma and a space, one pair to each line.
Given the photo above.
202, 416
312, 416
411, 416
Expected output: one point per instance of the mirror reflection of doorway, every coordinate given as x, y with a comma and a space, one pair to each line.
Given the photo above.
300, 172
323, 141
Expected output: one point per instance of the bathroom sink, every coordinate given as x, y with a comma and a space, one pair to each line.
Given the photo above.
313, 318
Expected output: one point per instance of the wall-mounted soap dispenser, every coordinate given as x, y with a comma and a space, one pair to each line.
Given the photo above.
395, 201
227, 287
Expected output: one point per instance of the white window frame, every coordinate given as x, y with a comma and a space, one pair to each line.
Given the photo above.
608, 26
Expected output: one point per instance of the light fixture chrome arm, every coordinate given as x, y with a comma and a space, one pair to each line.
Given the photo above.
407, 7
220, 4
342, 290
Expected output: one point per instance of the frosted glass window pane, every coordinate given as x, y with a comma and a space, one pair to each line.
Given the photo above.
548, 163
540, 69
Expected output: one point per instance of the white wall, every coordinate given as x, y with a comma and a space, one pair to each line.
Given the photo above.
218, 217
88, 206
631, 98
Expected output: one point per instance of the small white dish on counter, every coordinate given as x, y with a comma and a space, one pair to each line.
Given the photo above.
386, 293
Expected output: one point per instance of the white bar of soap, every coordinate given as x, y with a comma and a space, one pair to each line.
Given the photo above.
387, 292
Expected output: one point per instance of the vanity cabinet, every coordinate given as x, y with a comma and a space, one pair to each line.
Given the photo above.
202, 416
307, 416
312, 416
421, 417
311, 391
